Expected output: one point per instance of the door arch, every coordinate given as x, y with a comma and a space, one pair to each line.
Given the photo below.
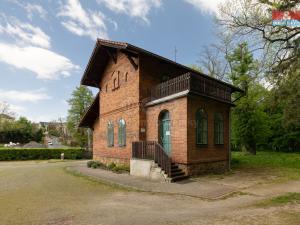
164, 131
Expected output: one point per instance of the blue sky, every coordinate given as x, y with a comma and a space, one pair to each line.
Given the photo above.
45, 45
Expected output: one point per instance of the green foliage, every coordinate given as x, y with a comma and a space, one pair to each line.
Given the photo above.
80, 100
39, 153
121, 168
265, 159
283, 107
112, 166
195, 67
89, 164
21, 130
289, 198
243, 67
250, 125
95, 164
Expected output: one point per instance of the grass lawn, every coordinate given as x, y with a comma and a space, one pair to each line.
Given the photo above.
287, 164
290, 198
41, 192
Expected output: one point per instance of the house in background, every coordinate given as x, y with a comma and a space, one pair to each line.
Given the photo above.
149, 107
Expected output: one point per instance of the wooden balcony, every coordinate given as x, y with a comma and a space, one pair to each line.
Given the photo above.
195, 84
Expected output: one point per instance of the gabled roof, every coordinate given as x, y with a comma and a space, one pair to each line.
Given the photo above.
91, 114
105, 48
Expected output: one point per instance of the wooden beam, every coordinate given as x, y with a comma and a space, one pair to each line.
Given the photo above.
112, 53
135, 65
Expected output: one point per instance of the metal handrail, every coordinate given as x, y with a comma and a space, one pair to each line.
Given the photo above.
153, 151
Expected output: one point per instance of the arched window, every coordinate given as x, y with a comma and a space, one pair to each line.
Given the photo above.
201, 127
219, 129
110, 134
122, 132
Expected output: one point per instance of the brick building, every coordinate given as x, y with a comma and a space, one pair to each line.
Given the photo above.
150, 107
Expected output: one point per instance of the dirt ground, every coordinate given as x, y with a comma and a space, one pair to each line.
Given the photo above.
43, 193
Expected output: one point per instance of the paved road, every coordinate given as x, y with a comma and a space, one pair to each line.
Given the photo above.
42, 192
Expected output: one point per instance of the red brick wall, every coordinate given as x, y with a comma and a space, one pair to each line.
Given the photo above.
119, 98
123, 89
210, 152
152, 71
178, 116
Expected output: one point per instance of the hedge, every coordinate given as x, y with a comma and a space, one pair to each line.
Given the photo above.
39, 153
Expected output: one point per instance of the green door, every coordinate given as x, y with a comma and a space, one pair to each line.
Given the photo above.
165, 132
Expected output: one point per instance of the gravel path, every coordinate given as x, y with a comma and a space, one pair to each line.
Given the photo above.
206, 190
38, 193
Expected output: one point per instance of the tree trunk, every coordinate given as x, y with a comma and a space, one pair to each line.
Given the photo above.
252, 149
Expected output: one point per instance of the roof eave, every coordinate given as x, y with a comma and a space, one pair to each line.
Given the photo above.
84, 123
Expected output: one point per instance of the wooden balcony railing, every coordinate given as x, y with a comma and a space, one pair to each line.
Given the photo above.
194, 84
153, 151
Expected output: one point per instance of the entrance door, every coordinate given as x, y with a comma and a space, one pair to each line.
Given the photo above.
164, 132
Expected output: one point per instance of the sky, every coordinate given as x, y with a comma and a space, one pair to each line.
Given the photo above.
45, 44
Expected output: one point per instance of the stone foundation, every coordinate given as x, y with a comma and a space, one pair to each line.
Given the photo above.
203, 168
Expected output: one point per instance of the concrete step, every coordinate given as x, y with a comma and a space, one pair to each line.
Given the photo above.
178, 178
175, 170
178, 173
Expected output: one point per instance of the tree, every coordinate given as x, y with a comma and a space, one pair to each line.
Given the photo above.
195, 67
283, 104
80, 100
251, 20
21, 130
5, 112
249, 121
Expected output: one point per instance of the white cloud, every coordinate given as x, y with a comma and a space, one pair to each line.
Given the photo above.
133, 8
81, 22
24, 32
47, 64
23, 96
32, 9
206, 6
17, 109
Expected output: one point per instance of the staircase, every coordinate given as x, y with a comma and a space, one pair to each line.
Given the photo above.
176, 173
154, 151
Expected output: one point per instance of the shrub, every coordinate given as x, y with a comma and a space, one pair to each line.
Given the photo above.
39, 153
121, 168
89, 164
95, 164
111, 166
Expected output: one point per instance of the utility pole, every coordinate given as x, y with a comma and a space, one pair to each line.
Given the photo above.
175, 54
